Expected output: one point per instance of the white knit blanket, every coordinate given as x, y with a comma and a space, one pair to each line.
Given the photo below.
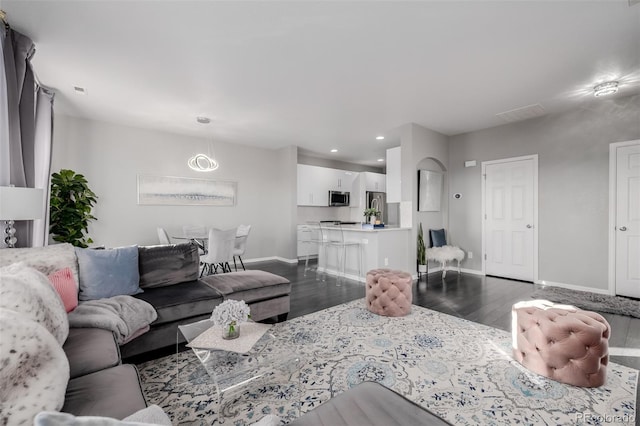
34, 370
124, 315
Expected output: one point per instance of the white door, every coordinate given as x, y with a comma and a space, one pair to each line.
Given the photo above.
509, 218
628, 221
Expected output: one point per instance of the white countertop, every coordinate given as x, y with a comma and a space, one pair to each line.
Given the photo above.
357, 228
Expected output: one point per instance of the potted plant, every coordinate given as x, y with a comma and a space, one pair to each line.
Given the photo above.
371, 214
422, 252
70, 211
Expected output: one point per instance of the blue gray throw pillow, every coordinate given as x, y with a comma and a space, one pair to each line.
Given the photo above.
438, 239
108, 273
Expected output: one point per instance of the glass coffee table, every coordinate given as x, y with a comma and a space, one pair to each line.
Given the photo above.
231, 372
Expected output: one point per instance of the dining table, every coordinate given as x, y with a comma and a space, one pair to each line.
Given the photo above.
201, 240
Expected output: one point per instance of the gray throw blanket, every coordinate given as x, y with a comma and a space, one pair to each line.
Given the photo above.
124, 315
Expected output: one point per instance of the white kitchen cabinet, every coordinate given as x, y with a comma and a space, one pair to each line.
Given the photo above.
306, 234
341, 180
314, 184
375, 182
394, 174
366, 181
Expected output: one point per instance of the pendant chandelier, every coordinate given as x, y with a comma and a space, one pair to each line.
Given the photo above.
203, 162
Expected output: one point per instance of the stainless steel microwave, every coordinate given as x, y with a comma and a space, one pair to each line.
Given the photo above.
337, 198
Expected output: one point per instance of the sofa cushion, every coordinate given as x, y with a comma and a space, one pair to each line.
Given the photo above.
90, 350
26, 290
250, 286
181, 301
108, 273
114, 392
165, 265
66, 287
46, 259
370, 404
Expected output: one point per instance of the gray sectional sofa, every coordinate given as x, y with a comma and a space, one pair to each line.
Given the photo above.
99, 384
169, 278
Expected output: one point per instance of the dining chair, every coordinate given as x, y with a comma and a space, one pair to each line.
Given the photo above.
240, 244
163, 236
219, 251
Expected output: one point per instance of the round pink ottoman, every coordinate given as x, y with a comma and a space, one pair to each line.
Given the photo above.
561, 342
388, 292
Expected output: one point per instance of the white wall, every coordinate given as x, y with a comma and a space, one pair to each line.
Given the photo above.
573, 150
111, 156
418, 145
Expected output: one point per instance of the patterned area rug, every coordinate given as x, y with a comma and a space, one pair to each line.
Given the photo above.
462, 371
590, 301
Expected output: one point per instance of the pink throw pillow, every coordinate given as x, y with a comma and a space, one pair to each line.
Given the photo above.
66, 288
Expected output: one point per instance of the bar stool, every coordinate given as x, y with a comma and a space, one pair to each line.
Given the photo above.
337, 240
312, 236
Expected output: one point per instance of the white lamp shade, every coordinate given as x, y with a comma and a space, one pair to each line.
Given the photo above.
21, 203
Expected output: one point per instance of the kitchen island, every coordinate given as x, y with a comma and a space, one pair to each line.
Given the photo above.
375, 248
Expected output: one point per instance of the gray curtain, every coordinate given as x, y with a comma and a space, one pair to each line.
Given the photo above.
27, 110
43, 135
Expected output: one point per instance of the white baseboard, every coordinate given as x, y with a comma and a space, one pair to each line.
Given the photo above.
466, 271
573, 287
264, 259
285, 260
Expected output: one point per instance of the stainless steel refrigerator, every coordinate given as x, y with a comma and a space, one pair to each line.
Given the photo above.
378, 200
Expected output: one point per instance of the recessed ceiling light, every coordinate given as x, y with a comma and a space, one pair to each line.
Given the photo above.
203, 120
334, 150
603, 89
380, 160
379, 138
79, 90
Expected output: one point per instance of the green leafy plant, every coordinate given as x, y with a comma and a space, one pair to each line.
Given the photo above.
70, 211
422, 250
371, 212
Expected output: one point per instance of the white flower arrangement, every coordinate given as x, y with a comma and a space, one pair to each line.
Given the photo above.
230, 312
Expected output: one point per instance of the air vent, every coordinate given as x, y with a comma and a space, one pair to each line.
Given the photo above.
524, 113
80, 90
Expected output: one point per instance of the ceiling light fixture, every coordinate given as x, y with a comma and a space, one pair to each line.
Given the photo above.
334, 150
380, 160
604, 89
379, 138
203, 162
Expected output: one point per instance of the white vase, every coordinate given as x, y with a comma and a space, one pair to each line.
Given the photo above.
372, 220
422, 269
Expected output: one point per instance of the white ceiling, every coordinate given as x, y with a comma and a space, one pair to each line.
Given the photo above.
324, 75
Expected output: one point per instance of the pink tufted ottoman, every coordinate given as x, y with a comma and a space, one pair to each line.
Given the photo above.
561, 342
388, 292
